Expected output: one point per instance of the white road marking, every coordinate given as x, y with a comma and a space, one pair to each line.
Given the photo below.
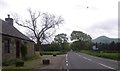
87, 58
66, 64
78, 54
106, 66
66, 61
61, 67
99, 63
66, 55
103, 58
84, 57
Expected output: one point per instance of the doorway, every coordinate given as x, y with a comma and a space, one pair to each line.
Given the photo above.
17, 49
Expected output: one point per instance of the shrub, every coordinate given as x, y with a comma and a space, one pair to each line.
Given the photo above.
23, 51
5, 63
52, 52
8, 62
19, 62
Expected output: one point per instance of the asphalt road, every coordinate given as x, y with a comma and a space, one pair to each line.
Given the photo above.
79, 61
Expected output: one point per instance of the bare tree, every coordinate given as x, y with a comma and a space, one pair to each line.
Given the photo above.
41, 25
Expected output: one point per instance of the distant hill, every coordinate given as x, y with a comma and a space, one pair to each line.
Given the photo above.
104, 39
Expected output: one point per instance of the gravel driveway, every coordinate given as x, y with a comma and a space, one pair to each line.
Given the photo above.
56, 62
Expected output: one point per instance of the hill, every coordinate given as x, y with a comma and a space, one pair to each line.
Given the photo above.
104, 39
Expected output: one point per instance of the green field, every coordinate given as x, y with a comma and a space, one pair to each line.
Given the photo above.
115, 56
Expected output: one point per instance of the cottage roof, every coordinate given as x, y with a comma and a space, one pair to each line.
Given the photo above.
12, 31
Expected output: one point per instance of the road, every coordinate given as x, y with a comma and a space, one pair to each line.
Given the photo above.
79, 61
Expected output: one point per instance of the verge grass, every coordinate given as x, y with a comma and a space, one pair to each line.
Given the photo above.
30, 63
115, 56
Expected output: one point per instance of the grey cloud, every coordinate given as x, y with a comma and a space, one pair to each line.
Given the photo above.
105, 25
108, 28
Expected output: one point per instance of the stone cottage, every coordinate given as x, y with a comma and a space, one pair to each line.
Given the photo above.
12, 40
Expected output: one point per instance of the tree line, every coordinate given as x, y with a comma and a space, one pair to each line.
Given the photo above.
80, 41
108, 47
60, 43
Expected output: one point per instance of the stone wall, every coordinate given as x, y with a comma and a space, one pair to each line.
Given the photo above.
30, 47
12, 54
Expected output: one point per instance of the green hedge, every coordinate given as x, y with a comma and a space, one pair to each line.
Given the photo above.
24, 51
115, 56
52, 52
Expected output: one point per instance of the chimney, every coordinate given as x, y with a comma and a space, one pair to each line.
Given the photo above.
9, 20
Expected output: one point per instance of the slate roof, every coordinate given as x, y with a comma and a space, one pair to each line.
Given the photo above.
12, 31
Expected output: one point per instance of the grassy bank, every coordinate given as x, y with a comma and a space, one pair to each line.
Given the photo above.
115, 56
52, 52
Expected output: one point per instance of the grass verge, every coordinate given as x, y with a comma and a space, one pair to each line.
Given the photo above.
115, 56
29, 63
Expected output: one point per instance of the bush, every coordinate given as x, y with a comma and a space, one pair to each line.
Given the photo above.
5, 63
23, 51
8, 62
52, 52
19, 62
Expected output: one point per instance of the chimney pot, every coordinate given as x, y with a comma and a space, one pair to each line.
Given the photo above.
8, 16
9, 20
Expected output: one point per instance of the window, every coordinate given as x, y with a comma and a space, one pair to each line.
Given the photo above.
7, 46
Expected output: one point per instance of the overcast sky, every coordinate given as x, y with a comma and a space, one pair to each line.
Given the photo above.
100, 18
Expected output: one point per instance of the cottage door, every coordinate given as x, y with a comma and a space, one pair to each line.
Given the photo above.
17, 49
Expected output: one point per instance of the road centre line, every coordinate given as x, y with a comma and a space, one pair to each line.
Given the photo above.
66, 64
66, 61
66, 57
87, 58
61, 67
67, 69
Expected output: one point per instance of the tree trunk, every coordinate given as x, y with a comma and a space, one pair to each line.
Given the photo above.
39, 46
